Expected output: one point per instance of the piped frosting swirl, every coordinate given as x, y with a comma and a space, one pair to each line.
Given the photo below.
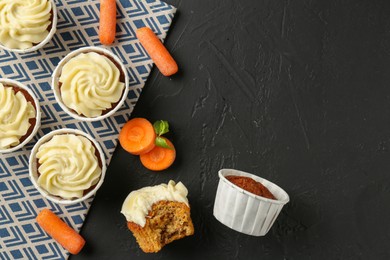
15, 115
68, 166
24, 23
90, 84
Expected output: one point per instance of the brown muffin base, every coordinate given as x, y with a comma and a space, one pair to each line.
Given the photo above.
165, 223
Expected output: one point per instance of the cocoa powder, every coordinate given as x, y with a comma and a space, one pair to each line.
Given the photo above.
251, 186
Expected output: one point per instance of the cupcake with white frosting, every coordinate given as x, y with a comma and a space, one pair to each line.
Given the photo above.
26, 25
67, 166
19, 115
90, 84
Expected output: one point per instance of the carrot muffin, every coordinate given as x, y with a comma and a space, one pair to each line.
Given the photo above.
158, 215
68, 166
17, 116
91, 84
24, 23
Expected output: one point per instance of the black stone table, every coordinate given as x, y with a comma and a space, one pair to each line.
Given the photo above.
297, 92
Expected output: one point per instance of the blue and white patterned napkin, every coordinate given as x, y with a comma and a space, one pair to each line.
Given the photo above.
20, 202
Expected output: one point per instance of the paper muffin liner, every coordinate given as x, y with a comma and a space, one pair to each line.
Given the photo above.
45, 41
246, 212
57, 92
11, 82
33, 169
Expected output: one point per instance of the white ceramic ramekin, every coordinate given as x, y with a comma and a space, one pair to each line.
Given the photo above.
17, 84
33, 169
246, 212
45, 41
57, 92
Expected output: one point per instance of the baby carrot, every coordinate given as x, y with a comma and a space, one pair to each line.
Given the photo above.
60, 231
159, 158
137, 136
107, 25
157, 51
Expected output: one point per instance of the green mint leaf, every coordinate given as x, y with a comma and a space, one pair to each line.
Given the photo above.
162, 143
161, 127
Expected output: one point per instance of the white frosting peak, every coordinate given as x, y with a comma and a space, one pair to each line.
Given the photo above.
15, 113
68, 166
90, 84
139, 202
24, 23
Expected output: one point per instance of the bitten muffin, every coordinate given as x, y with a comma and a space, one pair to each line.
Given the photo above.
158, 215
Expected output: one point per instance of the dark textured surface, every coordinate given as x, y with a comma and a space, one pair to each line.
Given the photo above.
297, 92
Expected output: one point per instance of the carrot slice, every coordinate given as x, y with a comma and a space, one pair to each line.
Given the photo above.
60, 231
107, 24
159, 158
157, 51
137, 136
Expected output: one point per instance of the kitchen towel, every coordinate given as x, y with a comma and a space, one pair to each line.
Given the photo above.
78, 21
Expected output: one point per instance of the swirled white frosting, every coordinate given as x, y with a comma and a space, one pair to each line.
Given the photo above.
24, 23
90, 84
139, 202
15, 113
68, 166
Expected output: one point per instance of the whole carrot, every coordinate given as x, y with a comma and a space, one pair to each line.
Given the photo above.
157, 51
107, 25
60, 231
